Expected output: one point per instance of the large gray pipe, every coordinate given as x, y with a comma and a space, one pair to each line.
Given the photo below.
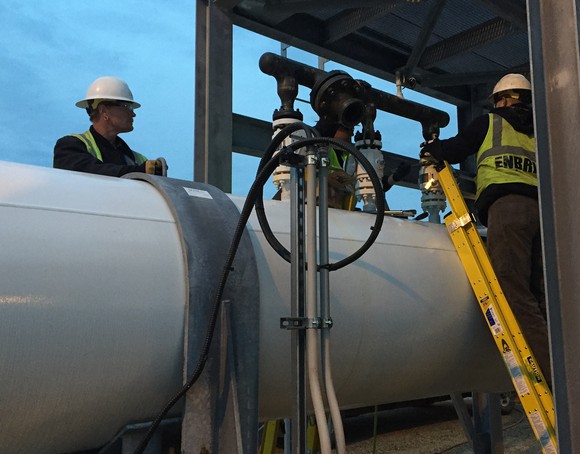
92, 299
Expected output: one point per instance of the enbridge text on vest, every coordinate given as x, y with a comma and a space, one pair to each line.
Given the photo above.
515, 162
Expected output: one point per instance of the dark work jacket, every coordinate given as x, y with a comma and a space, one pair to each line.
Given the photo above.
70, 153
468, 142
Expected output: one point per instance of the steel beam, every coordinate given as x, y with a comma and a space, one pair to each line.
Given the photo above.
472, 78
213, 96
555, 61
469, 40
510, 10
424, 35
366, 50
350, 21
227, 4
302, 6
250, 135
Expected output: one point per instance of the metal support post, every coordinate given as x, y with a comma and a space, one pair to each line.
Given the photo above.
213, 96
554, 29
487, 437
323, 255
224, 426
485, 428
297, 425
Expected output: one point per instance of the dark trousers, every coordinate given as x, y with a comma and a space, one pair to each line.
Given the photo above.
515, 249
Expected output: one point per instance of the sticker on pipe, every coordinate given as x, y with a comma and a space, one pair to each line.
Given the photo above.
197, 193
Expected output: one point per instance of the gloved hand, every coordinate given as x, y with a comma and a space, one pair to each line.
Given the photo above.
156, 167
431, 150
400, 172
425, 155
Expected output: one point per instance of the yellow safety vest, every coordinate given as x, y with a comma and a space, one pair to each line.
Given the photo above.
505, 156
92, 147
333, 160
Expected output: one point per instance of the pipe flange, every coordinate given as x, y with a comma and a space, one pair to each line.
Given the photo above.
336, 98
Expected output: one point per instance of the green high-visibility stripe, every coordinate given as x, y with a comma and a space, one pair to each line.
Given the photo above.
89, 141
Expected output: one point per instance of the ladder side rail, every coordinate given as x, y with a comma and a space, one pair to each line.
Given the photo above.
503, 325
528, 379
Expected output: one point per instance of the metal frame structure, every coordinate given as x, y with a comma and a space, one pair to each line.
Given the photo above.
213, 96
430, 57
555, 51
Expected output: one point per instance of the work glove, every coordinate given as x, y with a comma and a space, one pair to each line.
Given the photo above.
156, 167
431, 150
400, 172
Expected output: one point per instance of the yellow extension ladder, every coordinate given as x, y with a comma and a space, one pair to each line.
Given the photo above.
270, 435
526, 375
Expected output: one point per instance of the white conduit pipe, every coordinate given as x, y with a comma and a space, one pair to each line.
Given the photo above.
325, 312
332, 400
311, 292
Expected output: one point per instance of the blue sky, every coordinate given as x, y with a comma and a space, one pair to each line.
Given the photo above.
53, 49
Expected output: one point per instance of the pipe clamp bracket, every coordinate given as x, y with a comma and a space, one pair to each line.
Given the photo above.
311, 159
301, 323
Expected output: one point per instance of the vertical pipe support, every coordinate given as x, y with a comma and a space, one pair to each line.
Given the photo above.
213, 96
298, 337
554, 30
221, 408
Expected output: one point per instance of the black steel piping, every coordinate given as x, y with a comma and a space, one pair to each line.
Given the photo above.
335, 95
330, 86
430, 118
280, 67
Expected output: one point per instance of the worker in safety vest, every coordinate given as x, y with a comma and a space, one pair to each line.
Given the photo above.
340, 183
111, 109
507, 202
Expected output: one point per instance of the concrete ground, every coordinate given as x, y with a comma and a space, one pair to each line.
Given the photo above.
432, 429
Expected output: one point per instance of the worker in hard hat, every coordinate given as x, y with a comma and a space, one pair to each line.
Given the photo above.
340, 183
111, 109
507, 202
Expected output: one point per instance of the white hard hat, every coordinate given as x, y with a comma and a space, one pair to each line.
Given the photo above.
512, 82
107, 88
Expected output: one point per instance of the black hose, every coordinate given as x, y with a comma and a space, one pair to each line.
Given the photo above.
260, 213
380, 201
279, 138
261, 179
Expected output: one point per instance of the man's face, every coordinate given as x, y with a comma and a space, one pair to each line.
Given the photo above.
121, 116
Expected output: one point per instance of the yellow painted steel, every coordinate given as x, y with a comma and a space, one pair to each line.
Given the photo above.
528, 380
269, 437
312, 438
